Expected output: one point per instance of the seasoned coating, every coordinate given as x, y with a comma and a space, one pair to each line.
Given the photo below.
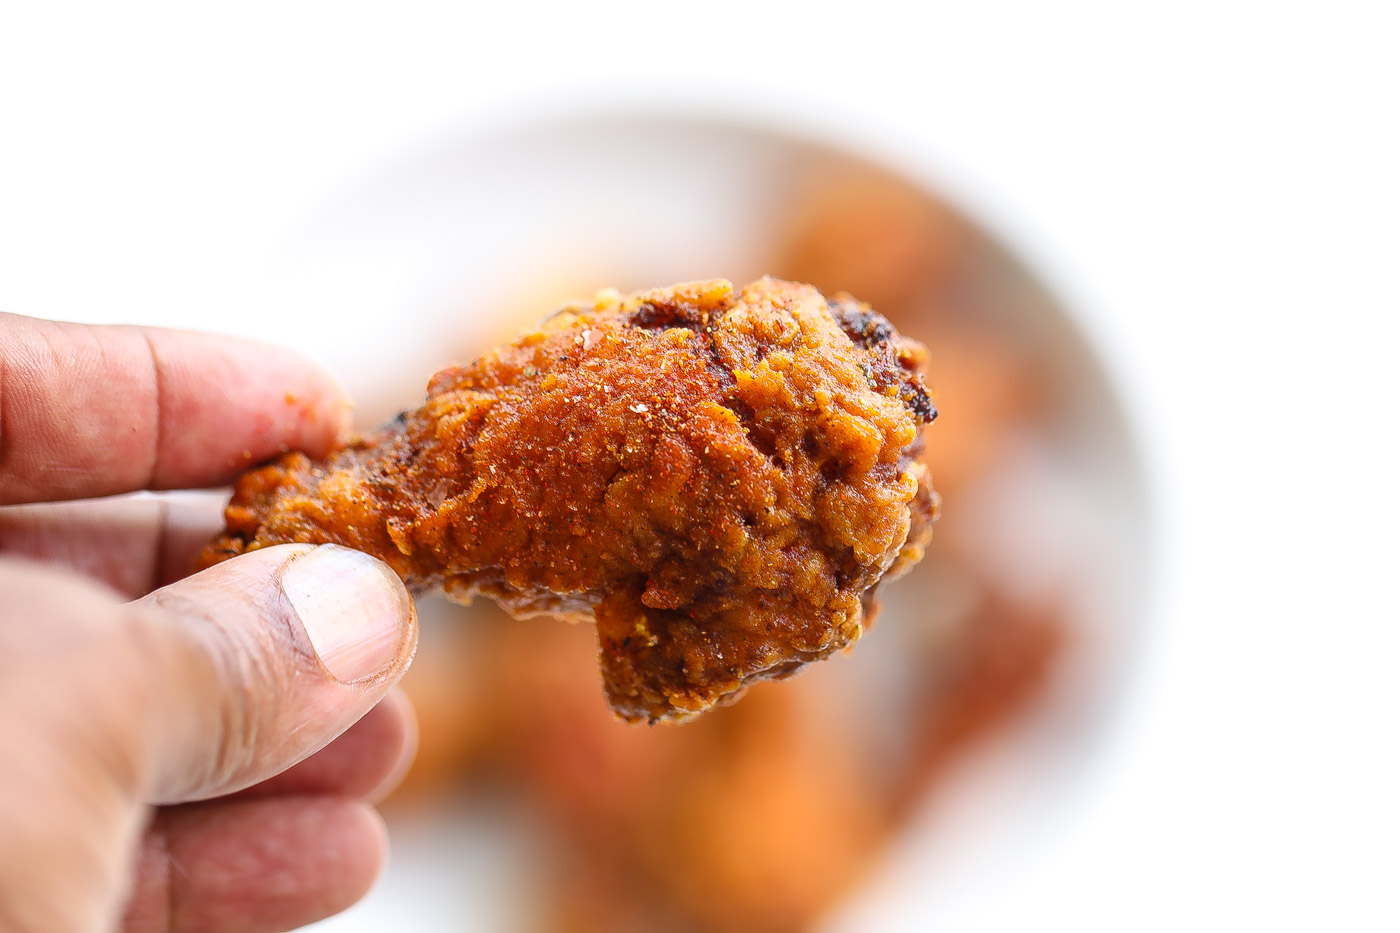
717, 479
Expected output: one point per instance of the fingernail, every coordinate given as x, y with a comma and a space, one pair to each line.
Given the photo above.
352, 607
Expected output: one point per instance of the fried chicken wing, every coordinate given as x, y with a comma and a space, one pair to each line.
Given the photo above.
717, 479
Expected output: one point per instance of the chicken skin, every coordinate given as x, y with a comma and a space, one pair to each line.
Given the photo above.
717, 478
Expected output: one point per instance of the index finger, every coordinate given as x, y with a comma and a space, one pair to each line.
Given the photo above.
96, 410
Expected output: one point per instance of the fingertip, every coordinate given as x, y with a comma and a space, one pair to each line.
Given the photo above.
407, 718
275, 654
272, 399
355, 611
264, 864
366, 836
104, 410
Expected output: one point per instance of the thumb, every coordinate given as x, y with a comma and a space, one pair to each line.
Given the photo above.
269, 657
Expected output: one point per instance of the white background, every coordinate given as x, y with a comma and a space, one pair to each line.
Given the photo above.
1214, 185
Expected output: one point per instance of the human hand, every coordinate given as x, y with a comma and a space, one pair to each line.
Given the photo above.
180, 761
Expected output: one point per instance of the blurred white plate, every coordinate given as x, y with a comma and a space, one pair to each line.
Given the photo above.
405, 274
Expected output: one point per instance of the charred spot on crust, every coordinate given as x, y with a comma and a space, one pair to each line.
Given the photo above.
886, 372
866, 328
915, 398
869, 330
724, 376
651, 315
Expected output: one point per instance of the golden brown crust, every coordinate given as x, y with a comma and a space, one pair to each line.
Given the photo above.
718, 479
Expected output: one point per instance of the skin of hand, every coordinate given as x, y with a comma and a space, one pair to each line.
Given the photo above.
180, 754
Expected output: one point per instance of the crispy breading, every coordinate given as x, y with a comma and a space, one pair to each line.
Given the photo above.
718, 479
